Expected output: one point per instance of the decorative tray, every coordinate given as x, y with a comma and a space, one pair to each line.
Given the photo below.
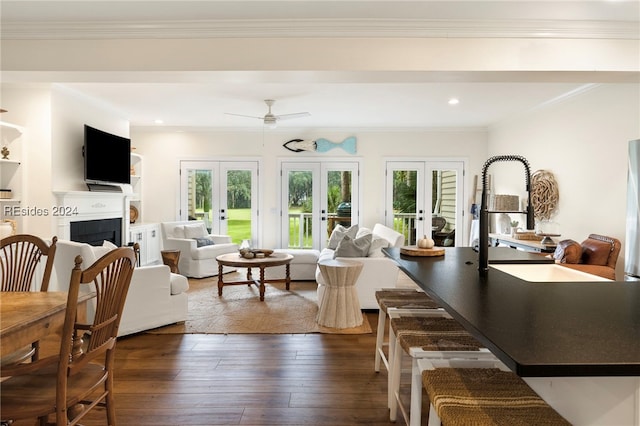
255, 253
417, 251
531, 236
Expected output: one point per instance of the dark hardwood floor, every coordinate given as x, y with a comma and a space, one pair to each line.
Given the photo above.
248, 379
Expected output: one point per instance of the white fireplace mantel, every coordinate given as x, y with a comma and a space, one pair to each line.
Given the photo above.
77, 206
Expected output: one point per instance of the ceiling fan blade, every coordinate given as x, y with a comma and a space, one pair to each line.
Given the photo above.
294, 115
242, 115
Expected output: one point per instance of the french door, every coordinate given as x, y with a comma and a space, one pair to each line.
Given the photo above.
426, 198
224, 194
317, 196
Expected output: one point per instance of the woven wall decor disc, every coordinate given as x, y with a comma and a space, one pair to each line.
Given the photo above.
544, 194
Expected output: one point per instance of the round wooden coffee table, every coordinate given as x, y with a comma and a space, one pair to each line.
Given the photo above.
237, 261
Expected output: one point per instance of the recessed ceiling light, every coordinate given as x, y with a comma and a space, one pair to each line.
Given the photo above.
454, 101
158, 121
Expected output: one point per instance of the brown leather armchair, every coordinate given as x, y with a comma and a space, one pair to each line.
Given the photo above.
597, 255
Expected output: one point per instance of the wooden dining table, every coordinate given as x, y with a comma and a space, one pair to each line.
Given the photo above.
27, 317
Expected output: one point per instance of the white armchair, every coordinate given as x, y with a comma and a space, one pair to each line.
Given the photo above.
156, 297
198, 249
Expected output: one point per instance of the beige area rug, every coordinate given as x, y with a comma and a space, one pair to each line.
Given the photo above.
240, 311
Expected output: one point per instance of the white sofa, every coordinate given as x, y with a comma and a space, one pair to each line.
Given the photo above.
378, 270
196, 262
156, 297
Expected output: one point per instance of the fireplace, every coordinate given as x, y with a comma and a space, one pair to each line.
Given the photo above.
97, 216
95, 232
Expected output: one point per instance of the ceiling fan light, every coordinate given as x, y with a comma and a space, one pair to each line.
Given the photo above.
270, 124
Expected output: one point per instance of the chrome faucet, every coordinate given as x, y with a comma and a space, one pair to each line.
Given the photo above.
483, 248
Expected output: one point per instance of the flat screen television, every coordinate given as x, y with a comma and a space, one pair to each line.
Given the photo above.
107, 157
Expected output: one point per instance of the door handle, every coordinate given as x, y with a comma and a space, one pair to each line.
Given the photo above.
222, 218
420, 218
323, 218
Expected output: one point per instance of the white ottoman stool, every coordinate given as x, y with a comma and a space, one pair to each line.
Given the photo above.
302, 267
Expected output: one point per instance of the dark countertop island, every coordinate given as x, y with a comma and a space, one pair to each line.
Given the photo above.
538, 329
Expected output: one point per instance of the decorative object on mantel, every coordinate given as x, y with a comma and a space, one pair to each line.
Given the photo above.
133, 214
5, 194
321, 145
544, 194
5, 153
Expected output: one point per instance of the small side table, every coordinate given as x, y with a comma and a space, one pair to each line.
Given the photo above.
339, 306
171, 259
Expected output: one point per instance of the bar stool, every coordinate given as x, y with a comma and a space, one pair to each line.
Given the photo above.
396, 298
426, 336
463, 392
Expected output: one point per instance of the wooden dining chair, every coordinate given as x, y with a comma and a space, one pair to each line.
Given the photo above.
57, 384
20, 257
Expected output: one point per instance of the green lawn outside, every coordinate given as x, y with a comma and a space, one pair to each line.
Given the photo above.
239, 226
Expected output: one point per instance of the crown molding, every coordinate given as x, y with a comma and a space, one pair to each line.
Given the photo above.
283, 28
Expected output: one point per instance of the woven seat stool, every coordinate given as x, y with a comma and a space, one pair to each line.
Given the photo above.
425, 337
480, 393
396, 298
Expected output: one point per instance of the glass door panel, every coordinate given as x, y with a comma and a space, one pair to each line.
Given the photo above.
316, 197
338, 199
425, 198
300, 186
239, 181
405, 193
197, 193
447, 202
221, 194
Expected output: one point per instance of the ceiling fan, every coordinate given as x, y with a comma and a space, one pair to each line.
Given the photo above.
270, 120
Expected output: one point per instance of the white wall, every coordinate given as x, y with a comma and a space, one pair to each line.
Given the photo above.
583, 141
70, 111
162, 150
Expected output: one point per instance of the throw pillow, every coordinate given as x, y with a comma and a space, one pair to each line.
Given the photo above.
195, 231
377, 244
178, 232
109, 245
363, 231
596, 252
98, 252
353, 247
338, 234
201, 242
568, 251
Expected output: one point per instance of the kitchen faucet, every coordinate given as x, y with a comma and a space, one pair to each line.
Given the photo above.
483, 248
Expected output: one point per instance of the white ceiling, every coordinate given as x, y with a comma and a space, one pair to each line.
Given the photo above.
334, 100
